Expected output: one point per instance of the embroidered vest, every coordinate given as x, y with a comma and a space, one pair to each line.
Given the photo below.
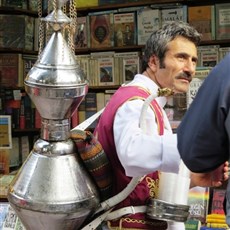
148, 187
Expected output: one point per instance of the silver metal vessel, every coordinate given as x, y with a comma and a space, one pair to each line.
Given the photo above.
52, 190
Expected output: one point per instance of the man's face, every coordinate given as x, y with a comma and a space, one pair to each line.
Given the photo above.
179, 65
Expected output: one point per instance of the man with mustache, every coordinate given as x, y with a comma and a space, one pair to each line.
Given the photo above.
169, 61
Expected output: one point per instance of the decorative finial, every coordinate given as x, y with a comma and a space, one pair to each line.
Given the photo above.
165, 92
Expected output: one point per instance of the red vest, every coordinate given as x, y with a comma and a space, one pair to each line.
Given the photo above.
149, 185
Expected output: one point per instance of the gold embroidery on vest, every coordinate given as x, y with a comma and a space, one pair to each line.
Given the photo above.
130, 220
153, 186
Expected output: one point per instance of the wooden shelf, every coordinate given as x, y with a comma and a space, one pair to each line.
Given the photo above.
18, 11
26, 130
101, 49
84, 10
21, 51
216, 42
139, 48
123, 5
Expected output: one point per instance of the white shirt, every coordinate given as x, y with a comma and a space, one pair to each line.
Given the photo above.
144, 151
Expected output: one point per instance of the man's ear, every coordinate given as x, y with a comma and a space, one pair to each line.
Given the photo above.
153, 63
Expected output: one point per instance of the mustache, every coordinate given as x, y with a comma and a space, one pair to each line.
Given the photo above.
185, 75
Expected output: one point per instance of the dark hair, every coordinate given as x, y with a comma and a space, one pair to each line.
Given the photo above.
158, 40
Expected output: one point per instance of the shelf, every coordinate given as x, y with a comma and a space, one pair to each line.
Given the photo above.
116, 49
101, 49
18, 11
25, 130
128, 4
216, 42
21, 51
203, 2
84, 10
131, 48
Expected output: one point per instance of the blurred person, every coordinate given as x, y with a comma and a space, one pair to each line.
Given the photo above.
204, 133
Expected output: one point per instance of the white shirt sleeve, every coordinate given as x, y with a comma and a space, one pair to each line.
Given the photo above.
143, 151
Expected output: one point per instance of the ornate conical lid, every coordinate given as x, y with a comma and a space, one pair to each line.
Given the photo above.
57, 66
56, 82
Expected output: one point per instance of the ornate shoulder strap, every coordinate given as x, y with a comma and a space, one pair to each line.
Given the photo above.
143, 94
159, 115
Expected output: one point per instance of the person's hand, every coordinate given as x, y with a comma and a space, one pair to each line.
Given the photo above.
214, 178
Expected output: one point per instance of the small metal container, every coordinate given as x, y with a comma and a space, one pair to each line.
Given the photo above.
161, 210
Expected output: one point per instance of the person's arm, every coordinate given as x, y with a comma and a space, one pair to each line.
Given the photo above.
142, 153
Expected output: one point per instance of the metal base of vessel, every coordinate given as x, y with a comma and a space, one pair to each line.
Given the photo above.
53, 192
